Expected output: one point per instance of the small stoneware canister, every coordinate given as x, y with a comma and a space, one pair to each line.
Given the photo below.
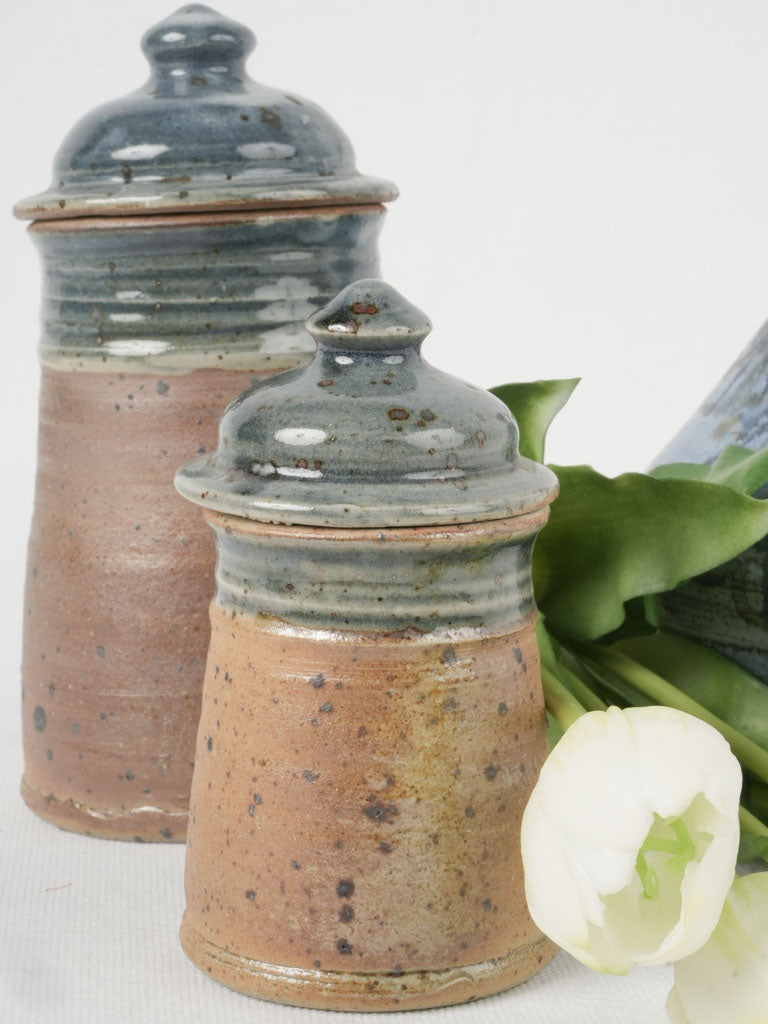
191, 228
373, 720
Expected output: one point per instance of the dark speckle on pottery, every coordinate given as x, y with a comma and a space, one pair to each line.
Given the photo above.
380, 812
38, 716
345, 888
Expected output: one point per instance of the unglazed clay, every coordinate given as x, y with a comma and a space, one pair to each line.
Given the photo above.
152, 321
373, 720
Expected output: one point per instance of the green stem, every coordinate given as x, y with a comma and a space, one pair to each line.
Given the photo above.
586, 697
559, 700
750, 754
752, 826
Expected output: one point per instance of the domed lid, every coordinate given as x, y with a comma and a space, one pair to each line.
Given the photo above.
368, 434
201, 135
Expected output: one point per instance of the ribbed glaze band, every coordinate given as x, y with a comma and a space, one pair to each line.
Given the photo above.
426, 580
170, 294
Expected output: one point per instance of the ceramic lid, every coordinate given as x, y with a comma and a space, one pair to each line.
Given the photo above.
368, 434
201, 135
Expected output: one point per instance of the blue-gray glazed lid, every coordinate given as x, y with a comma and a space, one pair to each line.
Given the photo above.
368, 434
201, 135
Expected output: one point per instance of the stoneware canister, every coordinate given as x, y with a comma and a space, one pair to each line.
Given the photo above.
372, 720
191, 228
727, 607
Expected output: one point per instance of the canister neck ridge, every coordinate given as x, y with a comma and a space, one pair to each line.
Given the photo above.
426, 583
197, 47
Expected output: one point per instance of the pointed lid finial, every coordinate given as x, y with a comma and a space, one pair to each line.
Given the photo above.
196, 37
371, 315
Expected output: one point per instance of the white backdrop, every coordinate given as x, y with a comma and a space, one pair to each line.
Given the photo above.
583, 194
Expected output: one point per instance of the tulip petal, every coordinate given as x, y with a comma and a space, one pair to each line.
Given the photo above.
619, 782
727, 978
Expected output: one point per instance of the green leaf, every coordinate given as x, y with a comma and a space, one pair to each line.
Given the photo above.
741, 469
757, 799
534, 405
623, 693
753, 841
720, 685
611, 540
641, 618
549, 649
754, 798
751, 848
554, 731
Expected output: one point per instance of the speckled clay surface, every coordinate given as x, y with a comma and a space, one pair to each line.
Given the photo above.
372, 719
151, 322
115, 612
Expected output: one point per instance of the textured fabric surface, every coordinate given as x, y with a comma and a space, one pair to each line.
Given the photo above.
88, 935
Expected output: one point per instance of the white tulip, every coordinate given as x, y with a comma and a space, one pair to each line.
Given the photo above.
630, 836
727, 979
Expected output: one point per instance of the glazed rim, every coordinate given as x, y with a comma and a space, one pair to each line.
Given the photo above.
528, 522
200, 218
53, 205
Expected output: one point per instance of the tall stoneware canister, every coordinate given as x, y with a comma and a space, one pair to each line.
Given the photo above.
727, 607
372, 720
191, 228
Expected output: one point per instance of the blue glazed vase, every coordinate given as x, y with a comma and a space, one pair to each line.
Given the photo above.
728, 607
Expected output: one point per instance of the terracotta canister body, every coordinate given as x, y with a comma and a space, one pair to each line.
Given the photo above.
728, 606
372, 719
191, 229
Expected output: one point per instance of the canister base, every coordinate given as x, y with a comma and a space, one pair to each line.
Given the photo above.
367, 991
147, 825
